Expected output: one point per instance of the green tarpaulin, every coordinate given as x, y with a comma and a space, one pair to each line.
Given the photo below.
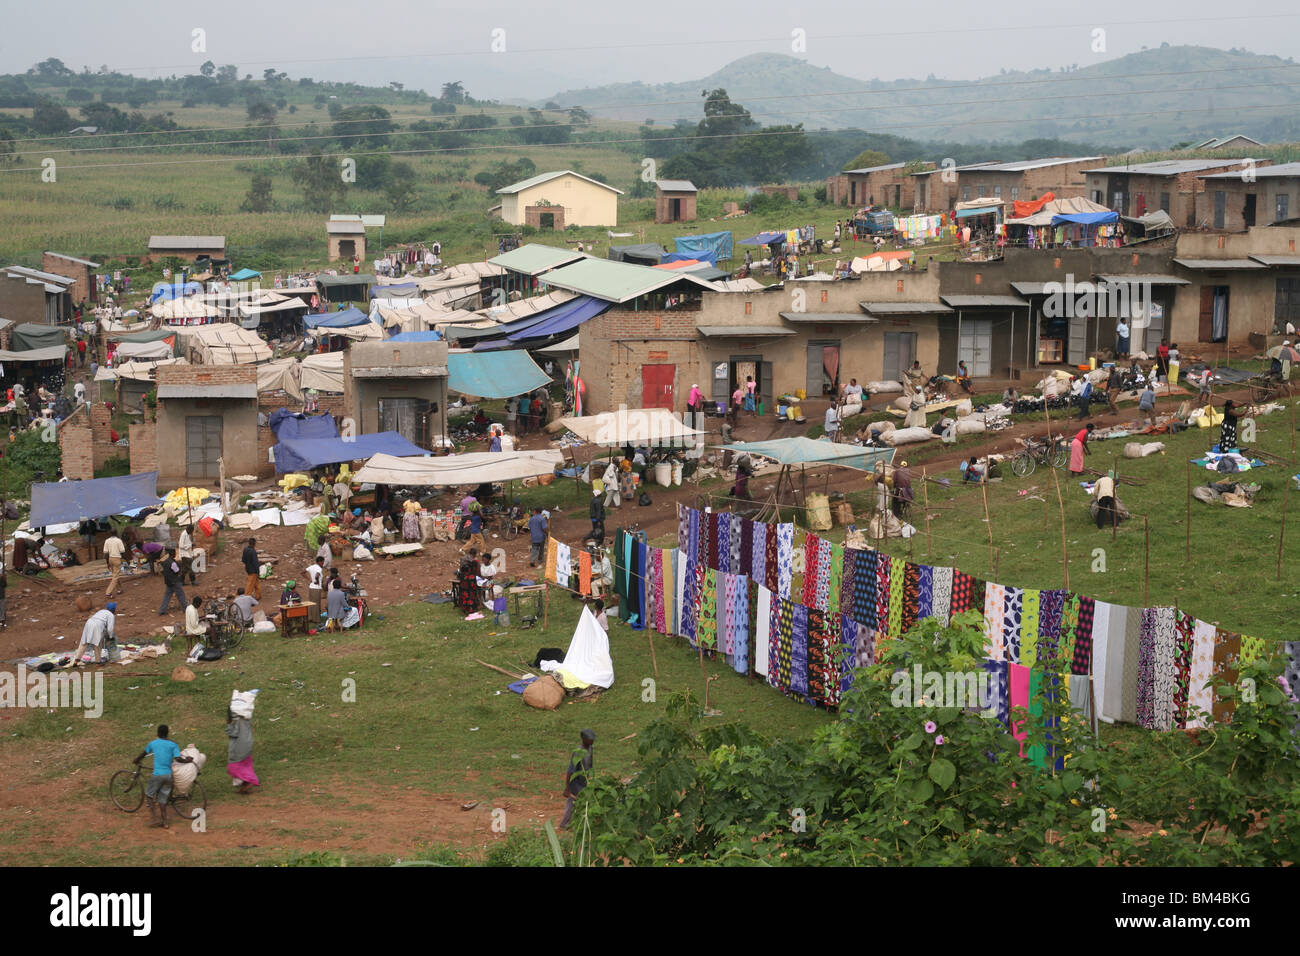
29, 335
797, 450
148, 335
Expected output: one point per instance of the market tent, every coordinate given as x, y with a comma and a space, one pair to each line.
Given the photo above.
397, 290
632, 426
718, 243
428, 335
148, 335
646, 253
763, 239
50, 354
704, 255
797, 450
562, 319
282, 305
979, 211
494, 374
144, 350
223, 343
322, 372
568, 345
183, 310
471, 468
30, 335
244, 275
1087, 218
280, 375
134, 371
288, 426
304, 454
57, 502
335, 320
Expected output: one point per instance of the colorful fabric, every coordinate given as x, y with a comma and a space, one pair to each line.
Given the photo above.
924, 591
799, 650
707, 627
1081, 657
835, 581
995, 602
689, 615
1227, 655
897, 579
763, 630
735, 534
1200, 698
997, 690
739, 625
941, 601
1164, 676
811, 553
709, 528
1050, 605
1029, 608
1184, 628
758, 565
865, 585
846, 559
1146, 687
823, 676
771, 571
782, 645
784, 559
822, 585
747, 547
584, 572
1012, 613
884, 564
684, 527
552, 546
1017, 697
849, 630
964, 593
911, 597
563, 564
723, 520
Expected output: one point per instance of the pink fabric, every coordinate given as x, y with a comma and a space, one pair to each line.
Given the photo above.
243, 770
660, 622
1076, 456
1018, 678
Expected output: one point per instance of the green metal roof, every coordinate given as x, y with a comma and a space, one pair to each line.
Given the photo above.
533, 259
617, 281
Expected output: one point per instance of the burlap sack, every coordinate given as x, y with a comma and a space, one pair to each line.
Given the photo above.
545, 693
83, 603
844, 514
182, 673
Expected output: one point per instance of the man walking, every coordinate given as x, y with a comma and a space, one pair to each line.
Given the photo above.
159, 789
253, 569
316, 583
171, 572
113, 551
537, 529
597, 514
575, 778
1112, 390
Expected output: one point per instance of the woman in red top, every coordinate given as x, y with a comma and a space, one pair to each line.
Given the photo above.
1162, 359
1078, 447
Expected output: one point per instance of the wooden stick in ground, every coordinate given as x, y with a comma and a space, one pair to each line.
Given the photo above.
925, 490
1114, 511
1187, 552
501, 670
1146, 561
988, 523
650, 635
1286, 493
1065, 551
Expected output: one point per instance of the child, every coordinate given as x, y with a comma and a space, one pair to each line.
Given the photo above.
159, 789
598, 608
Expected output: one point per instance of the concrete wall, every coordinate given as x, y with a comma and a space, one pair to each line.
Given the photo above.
364, 393
1065, 180
663, 206
239, 419
1265, 189
1184, 190
1252, 302
23, 301
333, 241
585, 204
82, 286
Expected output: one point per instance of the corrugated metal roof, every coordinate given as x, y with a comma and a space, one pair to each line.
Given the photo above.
617, 281
532, 259
51, 277
547, 177
1259, 172
344, 227
873, 169
983, 301
904, 308
187, 242
84, 262
1220, 264
237, 390
1167, 167
1020, 166
676, 185
1029, 288
818, 318
1278, 260
741, 331
1151, 278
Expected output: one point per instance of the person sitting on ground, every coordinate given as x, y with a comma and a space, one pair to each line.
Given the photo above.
972, 470
1010, 396
245, 604
598, 609
339, 612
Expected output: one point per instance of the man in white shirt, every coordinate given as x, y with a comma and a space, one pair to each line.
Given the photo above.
100, 632
316, 582
114, 549
832, 422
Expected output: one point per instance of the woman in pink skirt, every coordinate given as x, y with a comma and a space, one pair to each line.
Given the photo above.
240, 754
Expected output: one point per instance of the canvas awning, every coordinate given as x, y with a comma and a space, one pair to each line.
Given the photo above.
57, 502
31, 335
984, 301
223, 343
280, 375
144, 350
632, 426
322, 372
147, 335
742, 331
494, 374
468, 469
568, 345
335, 320
51, 354
797, 450
304, 454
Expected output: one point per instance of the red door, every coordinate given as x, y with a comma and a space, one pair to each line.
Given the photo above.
657, 386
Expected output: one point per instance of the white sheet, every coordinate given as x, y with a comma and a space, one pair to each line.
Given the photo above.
588, 656
268, 516
300, 517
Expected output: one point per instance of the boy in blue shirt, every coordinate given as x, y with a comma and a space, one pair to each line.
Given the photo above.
159, 789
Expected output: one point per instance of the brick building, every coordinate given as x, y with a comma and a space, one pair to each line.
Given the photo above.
30, 295
192, 248
1025, 180
345, 239
1237, 200
397, 386
206, 413
892, 185
86, 443
1173, 185
80, 271
675, 200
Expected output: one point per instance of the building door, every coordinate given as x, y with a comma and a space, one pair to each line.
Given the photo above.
823, 368
974, 347
409, 417
1248, 212
202, 445
347, 248
1076, 347
657, 384
674, 214
1219, 317
1155, 326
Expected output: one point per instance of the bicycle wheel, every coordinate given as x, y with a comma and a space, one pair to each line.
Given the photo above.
234, 634
1060, 455
187, 806
126, 791
1022, 465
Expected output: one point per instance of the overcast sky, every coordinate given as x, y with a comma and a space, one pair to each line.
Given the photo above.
557, 44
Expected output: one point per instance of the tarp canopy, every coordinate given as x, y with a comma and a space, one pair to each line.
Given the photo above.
979, 211
494, 374
148, 335
645, 253
763, 239
1087, 218
283, 305
183, 310
166, 291
428, 335
719, 243
1152, 221
322, 372
144, 350
471, 468
134, 371
57, 502
398, 290
334, 282
280, 374
304, 454
223, 343
1058, 207
631, 426
51, 354
30, 335
562, 319
797, 450
1022, 208
703, 255
244, 274
335, 320
568, 345
287, 425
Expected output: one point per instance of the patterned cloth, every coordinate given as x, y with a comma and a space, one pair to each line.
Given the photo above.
723, 564
563, 565
822, 585
911, 597
747, 547
1030, 598
778, 672
784, 559
865, 585
924, 591
1184, 628
735, 534
584, 572
1081, 657
758, 562
811, 558
849, 630
739, 624
884, 564
823, 676
706, 629
997, 690
1012, 613
995, 643
727, 612
552, 548
1227, 653
1146, 685
770, 570
1164, 677
941, 601
1200, 693
799, 650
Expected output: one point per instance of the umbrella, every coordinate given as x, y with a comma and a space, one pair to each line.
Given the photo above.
1283, 353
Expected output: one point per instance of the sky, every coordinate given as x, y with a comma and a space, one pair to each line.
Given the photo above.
528, 51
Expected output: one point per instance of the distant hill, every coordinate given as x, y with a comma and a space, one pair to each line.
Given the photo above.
1101, 103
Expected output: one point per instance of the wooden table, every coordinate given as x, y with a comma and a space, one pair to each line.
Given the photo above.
295, 617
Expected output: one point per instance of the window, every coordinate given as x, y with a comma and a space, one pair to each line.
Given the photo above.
1097, 196
1287, 305
1015, 193
997, 192
965, 193
1220, 205
1164, 201
1283, 202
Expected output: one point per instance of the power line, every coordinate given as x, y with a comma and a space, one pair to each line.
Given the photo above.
749, 99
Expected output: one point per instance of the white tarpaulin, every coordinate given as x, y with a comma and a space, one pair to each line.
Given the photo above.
471, 468
632, 426
223, 343
366, 330
287, 305
144, 350
179, 310
322, 372
588, 657
281, 374
135, 371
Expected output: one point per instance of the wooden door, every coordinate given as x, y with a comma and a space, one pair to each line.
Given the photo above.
657, 386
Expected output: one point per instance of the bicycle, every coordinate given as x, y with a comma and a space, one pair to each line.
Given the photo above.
1039, 452
227, 626
127, 793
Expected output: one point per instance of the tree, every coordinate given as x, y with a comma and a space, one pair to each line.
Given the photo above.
261, 112
866, 159
322, 186
397, 87
229, 73
269, 75
8, 156
361, 124
138, 96
440, 107
454, 92
258, 197
49, 117
208, 69
579, 117
400, 188
723, 118
51, 69
77, 94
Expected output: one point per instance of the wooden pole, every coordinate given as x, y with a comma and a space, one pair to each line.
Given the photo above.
1187, 551
1286, 493
988, 523
925, 490
650, 636
1065, 553
1146, 561
1114, 511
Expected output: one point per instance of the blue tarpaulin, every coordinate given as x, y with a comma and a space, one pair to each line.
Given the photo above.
304, 454
763, 238
335, 320
798, 450
979, 211
57, 502
494, 374
244, 274
402, 290
562, 318
719, 243
430, 335
287, 426
704, 255
166, 291
1086, 218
